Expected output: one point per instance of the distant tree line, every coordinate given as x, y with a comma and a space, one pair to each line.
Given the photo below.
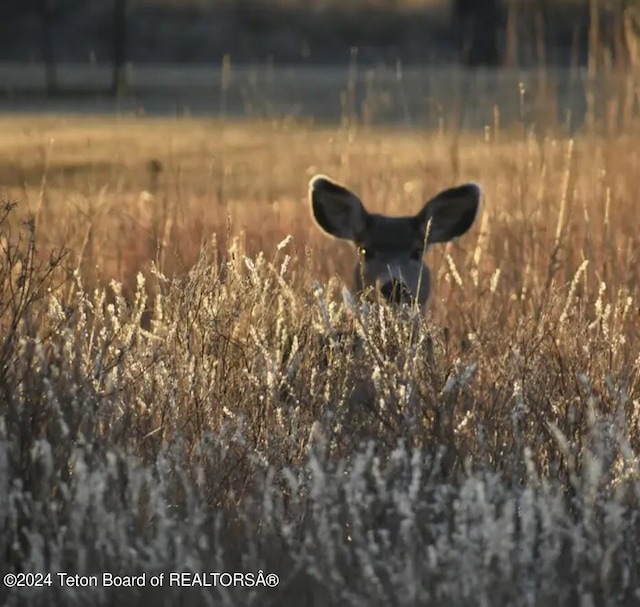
51, 12
484, 32
490, 32
477, 27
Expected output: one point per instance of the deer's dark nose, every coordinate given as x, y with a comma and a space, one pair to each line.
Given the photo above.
396, 292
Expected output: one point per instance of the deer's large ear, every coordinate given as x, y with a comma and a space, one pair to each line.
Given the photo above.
338, 211
450, 214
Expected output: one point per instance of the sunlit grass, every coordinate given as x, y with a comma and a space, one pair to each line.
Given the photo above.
193, 414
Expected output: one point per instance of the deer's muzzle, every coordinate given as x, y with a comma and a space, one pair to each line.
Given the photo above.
396, 292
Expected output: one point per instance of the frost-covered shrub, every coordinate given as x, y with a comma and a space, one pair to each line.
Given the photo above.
244, 421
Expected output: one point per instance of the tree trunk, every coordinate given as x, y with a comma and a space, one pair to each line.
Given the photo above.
630, 36
48, 52
119, 83
477, 27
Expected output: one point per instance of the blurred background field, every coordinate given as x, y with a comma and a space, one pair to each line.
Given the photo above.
197, 31
411, 63
435, 97
119, 191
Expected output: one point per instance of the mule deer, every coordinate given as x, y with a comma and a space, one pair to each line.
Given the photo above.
391, 249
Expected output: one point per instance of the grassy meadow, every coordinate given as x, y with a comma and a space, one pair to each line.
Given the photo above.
172, 398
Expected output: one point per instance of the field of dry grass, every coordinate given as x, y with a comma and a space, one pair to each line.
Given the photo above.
117, 192
188, 418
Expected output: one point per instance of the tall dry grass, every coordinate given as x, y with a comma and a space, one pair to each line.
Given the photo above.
187, 417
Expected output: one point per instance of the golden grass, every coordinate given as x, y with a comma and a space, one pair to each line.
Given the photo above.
121, 192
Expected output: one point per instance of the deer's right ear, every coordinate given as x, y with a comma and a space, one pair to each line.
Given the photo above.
339, 212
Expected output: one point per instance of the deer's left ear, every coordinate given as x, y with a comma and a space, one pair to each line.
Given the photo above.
449, 214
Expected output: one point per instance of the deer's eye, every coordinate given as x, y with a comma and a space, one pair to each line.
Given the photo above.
366, 254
